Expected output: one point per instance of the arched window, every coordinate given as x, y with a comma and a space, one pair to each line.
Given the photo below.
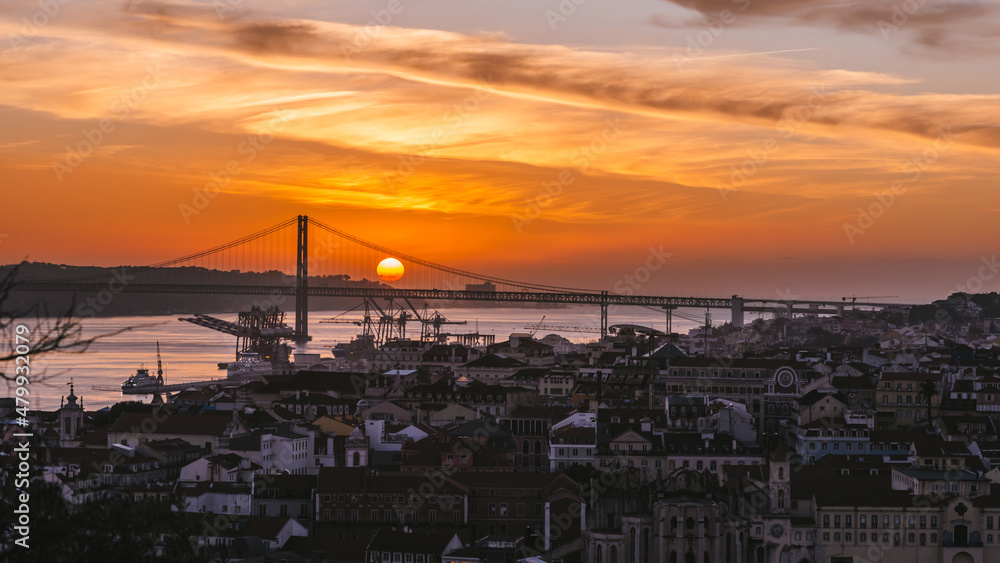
770, 409
689, 523
525, 447
673, 525
673, 557
784, 409
781, 473
781, 499
689, 558
632, 545
613, 554
357, 459
538, 447
599, 556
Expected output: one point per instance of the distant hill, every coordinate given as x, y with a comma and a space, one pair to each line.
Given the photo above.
111, 303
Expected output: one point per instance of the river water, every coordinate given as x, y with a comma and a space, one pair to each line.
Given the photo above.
192, 353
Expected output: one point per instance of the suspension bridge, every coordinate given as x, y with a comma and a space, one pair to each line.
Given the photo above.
329, 262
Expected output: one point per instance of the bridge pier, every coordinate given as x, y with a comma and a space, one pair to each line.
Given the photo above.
604, 314
737, 311
302, 282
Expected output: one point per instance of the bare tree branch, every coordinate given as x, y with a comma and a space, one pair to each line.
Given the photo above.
62, 333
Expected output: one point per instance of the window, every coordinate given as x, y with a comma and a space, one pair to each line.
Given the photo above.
503, 509
989, 522
836, 536
826, 520
923, 539
933, 538
862, 521
826, 536
848, 523
933, 524
836, 521
874, 521
923, 522
862, 537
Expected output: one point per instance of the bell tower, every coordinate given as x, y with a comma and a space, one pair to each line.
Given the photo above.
780, 480
70, 418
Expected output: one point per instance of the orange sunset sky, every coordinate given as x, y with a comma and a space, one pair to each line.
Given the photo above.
742, 136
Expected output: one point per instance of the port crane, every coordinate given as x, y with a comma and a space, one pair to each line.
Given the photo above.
259, 331
384, 324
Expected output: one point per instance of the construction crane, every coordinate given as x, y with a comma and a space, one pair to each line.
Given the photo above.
560, 328
539, 323
854, 298
159, 365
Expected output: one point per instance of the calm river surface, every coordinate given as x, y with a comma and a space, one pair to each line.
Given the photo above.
192, 353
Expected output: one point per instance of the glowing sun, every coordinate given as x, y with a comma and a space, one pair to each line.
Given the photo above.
390, 269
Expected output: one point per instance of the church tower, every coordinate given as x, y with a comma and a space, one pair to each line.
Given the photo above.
357, 449
780, 480
70, 419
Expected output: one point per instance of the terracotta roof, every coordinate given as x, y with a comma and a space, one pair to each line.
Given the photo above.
204, 424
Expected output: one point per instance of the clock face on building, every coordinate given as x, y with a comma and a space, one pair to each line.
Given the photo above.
683, 480
786, 379
777, 530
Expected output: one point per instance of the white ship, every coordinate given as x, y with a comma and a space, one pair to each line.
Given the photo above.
142, 378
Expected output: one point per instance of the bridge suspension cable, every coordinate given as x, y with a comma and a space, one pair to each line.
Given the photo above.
440, 267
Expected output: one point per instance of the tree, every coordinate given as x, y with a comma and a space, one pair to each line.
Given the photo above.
117, 529
927, 390
62, 332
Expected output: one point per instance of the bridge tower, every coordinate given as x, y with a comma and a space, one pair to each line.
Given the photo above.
737, 311
302, 282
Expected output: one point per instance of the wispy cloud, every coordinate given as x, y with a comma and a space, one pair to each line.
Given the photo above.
937, 27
